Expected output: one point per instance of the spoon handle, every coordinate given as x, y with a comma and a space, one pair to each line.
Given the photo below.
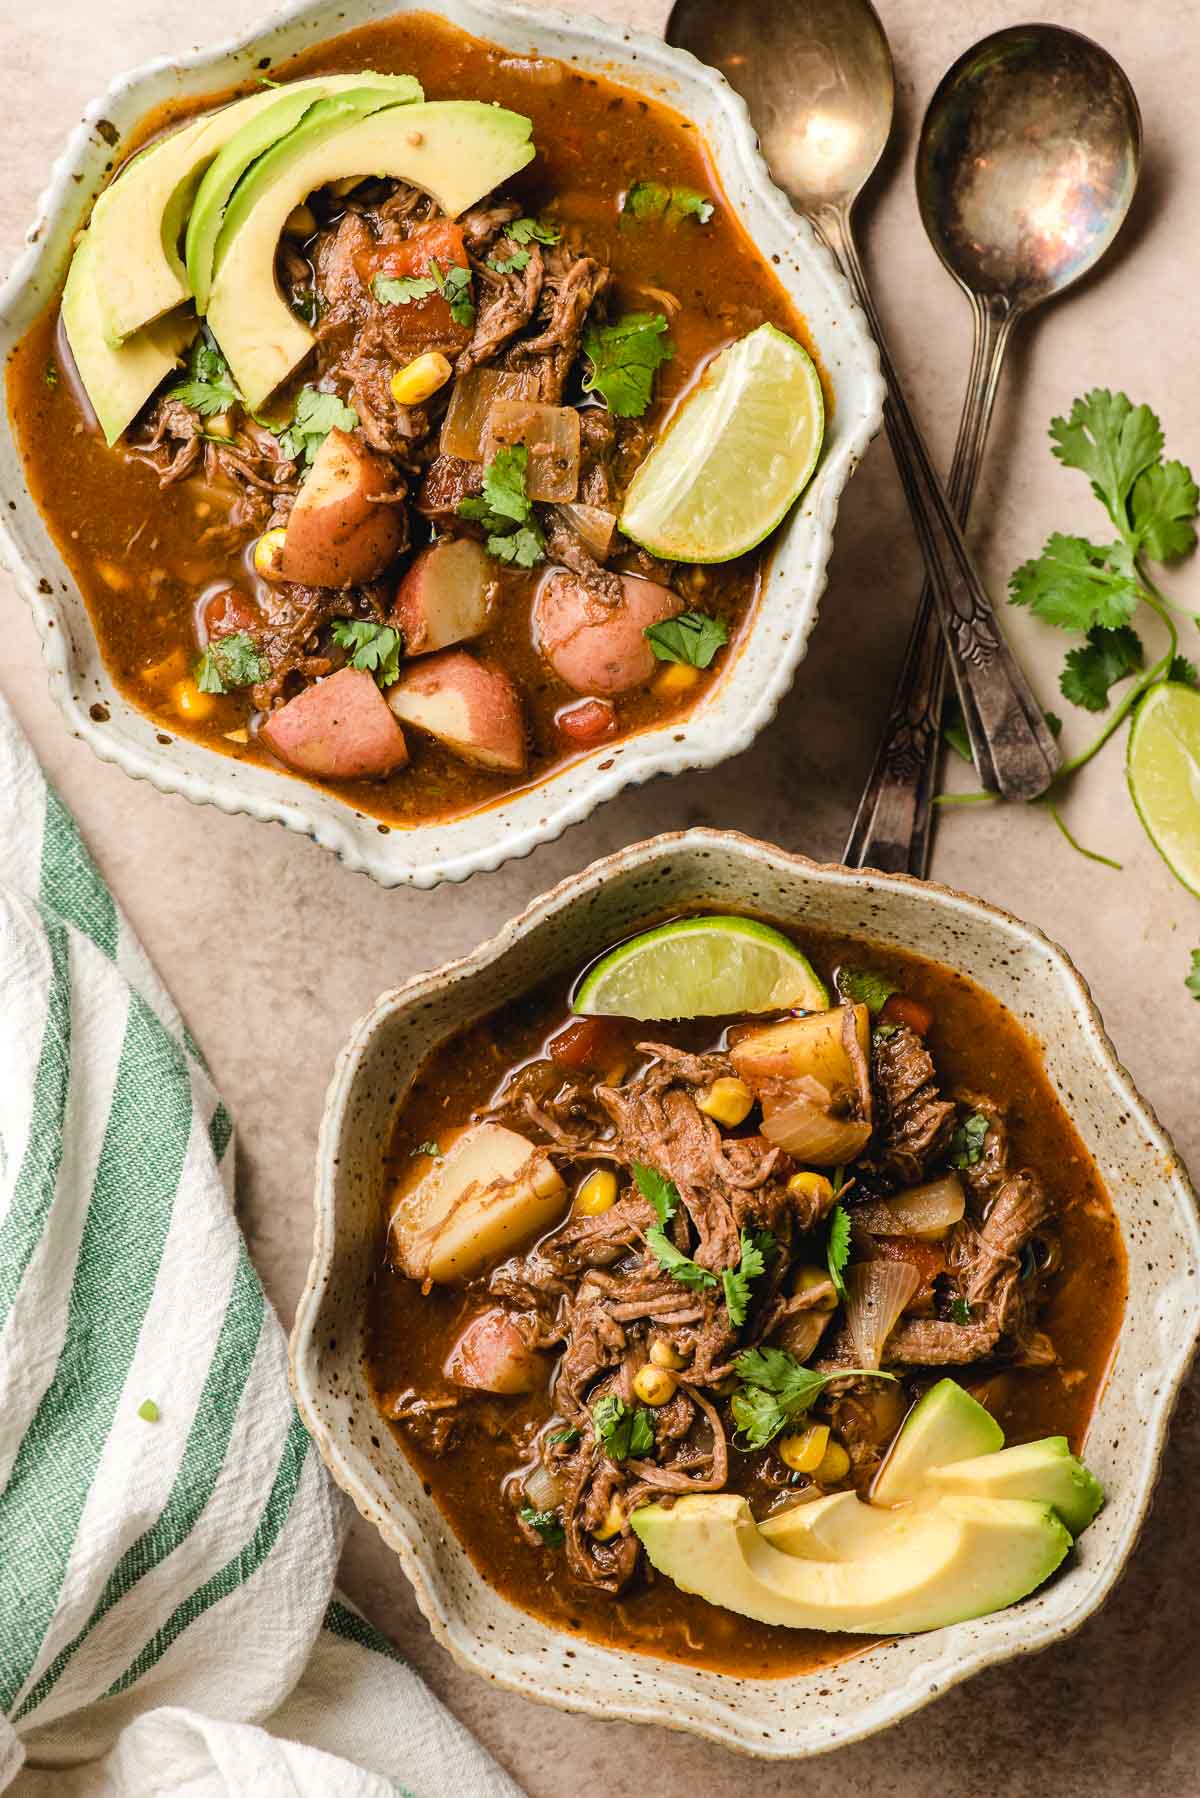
1014, 751
894, 822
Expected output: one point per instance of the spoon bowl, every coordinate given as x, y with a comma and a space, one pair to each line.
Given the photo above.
1027, 162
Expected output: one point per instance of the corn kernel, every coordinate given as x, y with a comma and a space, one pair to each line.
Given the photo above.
190, 702
676, 680
301, 221
114, 577
420, 377
654, 1385
804, 1450
598, 1193
727, 1100
808, 1279
835, 1465
663, 1355
614, 1522
812, 1186
268, 554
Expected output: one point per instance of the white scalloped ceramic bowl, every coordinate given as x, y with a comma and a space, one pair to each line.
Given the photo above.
558, 933
761, 671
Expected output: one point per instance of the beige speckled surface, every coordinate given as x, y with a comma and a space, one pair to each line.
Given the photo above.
272, 949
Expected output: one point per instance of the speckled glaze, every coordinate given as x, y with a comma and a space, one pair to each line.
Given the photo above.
758, 674
559, 932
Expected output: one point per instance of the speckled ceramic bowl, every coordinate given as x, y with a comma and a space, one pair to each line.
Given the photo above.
558, 933
758, 674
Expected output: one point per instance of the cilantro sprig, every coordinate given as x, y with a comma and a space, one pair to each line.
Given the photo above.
208, 386
314, 416
505, 510
548, 1525
967, 1142
776, 1390
1192, 981
866, 986
373, 647
624, 1430
624, 357
652, 202
756, 1251
673, 1261
837, 1248
528, 230
693, 638
659, 1192
232, 661
452, 283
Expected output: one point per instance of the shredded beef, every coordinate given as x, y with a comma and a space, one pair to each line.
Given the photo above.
913, 1122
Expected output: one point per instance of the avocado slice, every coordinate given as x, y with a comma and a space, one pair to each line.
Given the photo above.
838, 1527
455, 150
947, 1424
118, 381
954, 1558
1046, 1471
260, 131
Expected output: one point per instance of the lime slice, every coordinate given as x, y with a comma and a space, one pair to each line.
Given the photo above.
702, 968
1163, 766
737, 452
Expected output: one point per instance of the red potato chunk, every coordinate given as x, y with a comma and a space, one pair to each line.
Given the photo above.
341, 532
473, 709
596, 647
340, 728
586, 720
444, 597
491, 1355
419, 322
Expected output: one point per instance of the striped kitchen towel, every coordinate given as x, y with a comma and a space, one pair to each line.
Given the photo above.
168, 1534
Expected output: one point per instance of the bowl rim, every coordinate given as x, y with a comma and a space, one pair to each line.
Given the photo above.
936, 1677
484, 839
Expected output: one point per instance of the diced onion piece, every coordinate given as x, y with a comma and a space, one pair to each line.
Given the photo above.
551, 436
473, 397
796, 1115
593, 526
543, 1489
926, 1212
876, 1294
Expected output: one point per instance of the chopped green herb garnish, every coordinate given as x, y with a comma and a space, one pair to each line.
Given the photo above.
693, 637
315, 415
566, 1438
511, 264
148, 1410
736, 1281
455, 288
548, 1525
624, 357
232, 661
673, 1261
625, 1430
966, 1145
402, 290
50, 373
428, 1147
208, 386
661, 1193
776, 1390
648, 201
373, 647
837, 1247
960, 1311
866, 986
1193, 979
505, 510
527, 230
310, 306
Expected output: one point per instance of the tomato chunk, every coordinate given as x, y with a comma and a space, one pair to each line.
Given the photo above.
419, 321
588, 1043
226, 613
588, 721
901, 1010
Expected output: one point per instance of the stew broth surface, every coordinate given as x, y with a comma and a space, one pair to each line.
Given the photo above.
977, 1045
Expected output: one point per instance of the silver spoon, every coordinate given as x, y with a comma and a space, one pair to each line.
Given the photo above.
1026, 167
817, 77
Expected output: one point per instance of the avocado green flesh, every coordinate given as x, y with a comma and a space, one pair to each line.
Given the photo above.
947, 1424
257, 136
955, 1558
1045, 1471
118, 381
455, 150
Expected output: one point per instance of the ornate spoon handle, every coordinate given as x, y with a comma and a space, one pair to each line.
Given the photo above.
1015, 752
893, 825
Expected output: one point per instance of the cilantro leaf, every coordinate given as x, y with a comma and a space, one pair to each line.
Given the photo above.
651, 201
232, 661
776, 1389
527, 230
687, 203
673, 1261
624, 357
1106, 658
455, 288
1192, 981
1076, 584
866, 986
960, 1311
50, 373
373, 647
208, 386
309, 305
505, 510
314, 416
661, 1193
693, 637
966, 1145
954, 730
837, 1247
402, 290
430, 1148
1183, 672
624, 1430
1164, 503
736, 1281
1054, 723
548, 1525
511, 264
566, 1438
1110, 440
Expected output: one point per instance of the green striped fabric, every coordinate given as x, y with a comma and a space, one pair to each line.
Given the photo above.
168, 1536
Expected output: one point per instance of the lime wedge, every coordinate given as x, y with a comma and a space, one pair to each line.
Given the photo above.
1163, 766
739, 449
702, 968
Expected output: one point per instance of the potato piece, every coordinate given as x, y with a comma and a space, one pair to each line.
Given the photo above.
593, 646
340, 728
340, 532
488, 1194
474, 710
444, 596
815, 1046
491, 1355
